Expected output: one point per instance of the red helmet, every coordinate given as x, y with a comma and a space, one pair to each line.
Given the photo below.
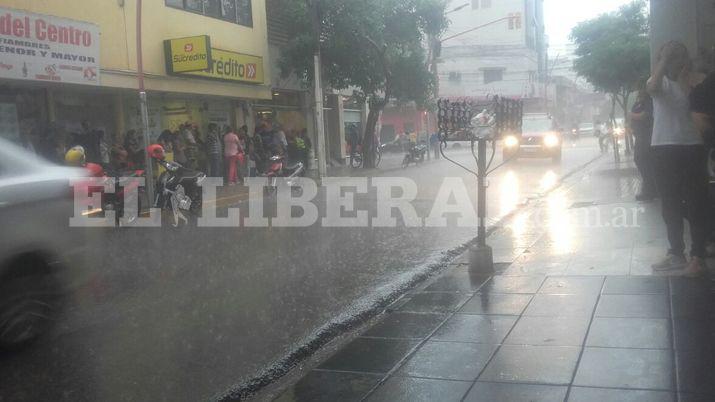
156, 151
94, 170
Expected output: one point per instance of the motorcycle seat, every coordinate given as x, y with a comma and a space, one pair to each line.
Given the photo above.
191, 175
294, 166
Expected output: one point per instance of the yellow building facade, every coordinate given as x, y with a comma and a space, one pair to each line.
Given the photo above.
65, 62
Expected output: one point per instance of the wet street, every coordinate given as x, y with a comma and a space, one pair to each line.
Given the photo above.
189, 314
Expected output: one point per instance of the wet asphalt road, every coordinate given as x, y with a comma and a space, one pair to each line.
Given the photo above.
189, 314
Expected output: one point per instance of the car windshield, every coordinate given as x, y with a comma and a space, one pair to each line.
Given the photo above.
537, 125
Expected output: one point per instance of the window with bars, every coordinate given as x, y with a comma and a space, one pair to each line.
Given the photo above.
493, 75
236, 11
514, 21
477, 4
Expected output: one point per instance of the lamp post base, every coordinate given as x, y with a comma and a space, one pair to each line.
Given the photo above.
481, 260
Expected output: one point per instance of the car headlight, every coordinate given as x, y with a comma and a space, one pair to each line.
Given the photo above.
511, 141
551, 141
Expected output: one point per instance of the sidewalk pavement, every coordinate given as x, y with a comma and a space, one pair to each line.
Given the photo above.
573, 313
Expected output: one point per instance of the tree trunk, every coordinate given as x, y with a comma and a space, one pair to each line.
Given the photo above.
368, 140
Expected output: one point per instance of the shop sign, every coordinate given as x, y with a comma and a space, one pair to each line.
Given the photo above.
185, 55
48, 48
232, 66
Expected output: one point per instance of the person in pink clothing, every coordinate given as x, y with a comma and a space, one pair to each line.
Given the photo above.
233, 153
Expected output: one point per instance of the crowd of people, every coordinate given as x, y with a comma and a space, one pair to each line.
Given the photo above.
221, 152
672, 126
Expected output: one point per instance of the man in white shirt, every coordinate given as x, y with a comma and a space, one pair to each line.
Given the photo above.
679, 159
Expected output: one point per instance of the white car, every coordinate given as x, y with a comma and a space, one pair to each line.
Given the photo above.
585, 129
38, 249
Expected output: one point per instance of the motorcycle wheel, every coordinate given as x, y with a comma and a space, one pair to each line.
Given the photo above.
406, 161
356, 161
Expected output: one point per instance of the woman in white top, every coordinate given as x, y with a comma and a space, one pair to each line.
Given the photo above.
679, 158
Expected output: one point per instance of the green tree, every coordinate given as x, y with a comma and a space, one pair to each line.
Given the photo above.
372, 46
613, 52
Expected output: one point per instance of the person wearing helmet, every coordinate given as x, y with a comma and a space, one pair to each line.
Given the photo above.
77, 157
156, 151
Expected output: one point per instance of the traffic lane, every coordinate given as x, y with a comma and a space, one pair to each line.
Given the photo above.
183, 315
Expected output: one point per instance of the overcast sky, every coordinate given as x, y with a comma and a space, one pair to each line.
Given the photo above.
562, 15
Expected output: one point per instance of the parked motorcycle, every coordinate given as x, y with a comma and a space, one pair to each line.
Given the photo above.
178, 189
416, 154
278, 167
116, 201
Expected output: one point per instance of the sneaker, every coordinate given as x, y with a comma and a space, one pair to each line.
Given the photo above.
695, 268
670, 262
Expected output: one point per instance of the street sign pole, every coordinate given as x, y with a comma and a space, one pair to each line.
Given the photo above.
480, 255
318, 93
148, 167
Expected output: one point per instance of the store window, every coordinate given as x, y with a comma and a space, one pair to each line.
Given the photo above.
236, 11
212, 8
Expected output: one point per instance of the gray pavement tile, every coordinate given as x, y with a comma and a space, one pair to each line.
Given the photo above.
513, 284
562, 305
448, 360
369, 355
696, 371
408, 389
435, 302
549, 331
624, 285
633, 306
501, 304
496, 392
532, 364
700, 306
406, 325
580, 394
644, 333
690, 397
330, 386
626, 368
689, 286
458, 279
572, 285
489, 329
693, 334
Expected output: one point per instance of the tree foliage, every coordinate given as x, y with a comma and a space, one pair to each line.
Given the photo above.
613, 52
372, 46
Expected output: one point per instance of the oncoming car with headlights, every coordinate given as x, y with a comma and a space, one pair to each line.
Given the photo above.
540, 139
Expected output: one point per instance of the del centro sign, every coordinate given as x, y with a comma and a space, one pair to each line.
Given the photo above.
195, 57
48, 48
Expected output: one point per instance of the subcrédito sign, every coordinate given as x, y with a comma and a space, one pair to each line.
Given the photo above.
48, 48
189, 54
